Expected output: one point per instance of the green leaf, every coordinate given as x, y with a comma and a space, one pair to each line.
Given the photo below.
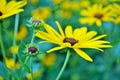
4, 71
21, 52
26, 68
23, 56
13, 74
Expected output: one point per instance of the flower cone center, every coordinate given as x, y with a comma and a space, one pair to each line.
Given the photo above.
37, 22
32, 50
1, 13
99, 16
72, 41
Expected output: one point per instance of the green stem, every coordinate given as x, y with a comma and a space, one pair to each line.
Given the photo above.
64, 65
15, 33
33, 37
31, 68
2, 46
3, 49
26, 60
102, 30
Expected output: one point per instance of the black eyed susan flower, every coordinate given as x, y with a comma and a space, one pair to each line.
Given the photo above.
116, 9
77, 39
10, 8
42, 13
96, 14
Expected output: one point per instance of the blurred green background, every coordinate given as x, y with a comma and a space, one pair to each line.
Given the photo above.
106, 65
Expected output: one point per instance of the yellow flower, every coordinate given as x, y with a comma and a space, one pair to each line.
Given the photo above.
84, 3
34, 1
22, 32
41, 13
11, 8
101, 1
10, 64
77, 39
1, 78
14, 49
67, 5
63, 14
105, 2
35, 75
116, 9
96, 14
57, 1
49, 59
114, 0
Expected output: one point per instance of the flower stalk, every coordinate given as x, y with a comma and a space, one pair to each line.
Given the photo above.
33, 37
31, 68
26, 60
64, 65
15, 33
2, 45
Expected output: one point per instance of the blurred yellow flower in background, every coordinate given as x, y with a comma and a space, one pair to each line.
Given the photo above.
57, 1
77, 39
49, 59
34, 1
70, 5
10, 8
116, 10
96, 14
35, 75
1, 78
103, 2
84, 3
14, 49
41, 13
22, 32
11, 65
63, 14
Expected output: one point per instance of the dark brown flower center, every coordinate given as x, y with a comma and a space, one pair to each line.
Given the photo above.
99, 16
72, 41
1, 13
37, 22
32, 50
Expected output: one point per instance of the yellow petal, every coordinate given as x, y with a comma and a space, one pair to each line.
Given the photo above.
83, 20
82, 33
95, 7
99, 23
53, 32
98, 37
104, 46
91, 21
83, 55
17, 5
68, 31
87, 45
89, 35
55, 49
84, 13
60, 29
2, 4
100, 42
47, 37
67, 44
11, 13
77, 33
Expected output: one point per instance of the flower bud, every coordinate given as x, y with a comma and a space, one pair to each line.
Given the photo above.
35, 23
32, 50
